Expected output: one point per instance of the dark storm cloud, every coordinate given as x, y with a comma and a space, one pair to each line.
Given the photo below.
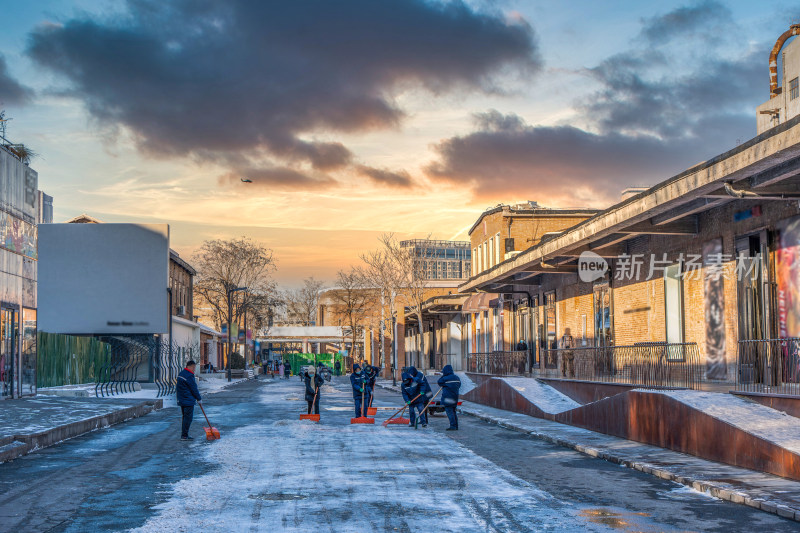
665, 104
205, 77
390, 178
11, 91
706, 20
670, 107
506, 158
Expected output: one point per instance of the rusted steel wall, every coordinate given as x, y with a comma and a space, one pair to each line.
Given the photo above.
660, 420
585, 392
656, 419
494, 392
790, 406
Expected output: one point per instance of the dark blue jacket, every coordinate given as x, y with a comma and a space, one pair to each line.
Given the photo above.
311, 390
410, 389
420, 378
370, 375
450, 384
357, 381
186, 390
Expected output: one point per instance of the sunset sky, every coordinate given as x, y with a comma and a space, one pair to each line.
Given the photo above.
357, 117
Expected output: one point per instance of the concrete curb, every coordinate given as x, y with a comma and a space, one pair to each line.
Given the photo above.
19, 445
714, 489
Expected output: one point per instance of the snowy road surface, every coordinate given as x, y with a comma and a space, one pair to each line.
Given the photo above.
271, 472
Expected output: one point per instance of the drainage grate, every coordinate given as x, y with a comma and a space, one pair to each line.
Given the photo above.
277, 497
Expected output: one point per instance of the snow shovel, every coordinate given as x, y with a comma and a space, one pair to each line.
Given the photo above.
372, 411
400, 419
416, 422
313, 418
362, 419
212, 433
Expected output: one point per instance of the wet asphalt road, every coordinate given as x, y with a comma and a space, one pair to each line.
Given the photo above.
110, 480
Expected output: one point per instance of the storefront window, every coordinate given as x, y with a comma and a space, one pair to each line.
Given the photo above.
28, 366
550, 329
8, 329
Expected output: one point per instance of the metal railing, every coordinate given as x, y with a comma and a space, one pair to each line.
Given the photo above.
132, 360
645, 365
499, 363
769, 366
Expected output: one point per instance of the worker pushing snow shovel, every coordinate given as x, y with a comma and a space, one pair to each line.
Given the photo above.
313, 382
370, 375
359, 383
415, 389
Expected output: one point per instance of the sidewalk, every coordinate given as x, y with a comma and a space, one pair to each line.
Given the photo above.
769, 493
28, 424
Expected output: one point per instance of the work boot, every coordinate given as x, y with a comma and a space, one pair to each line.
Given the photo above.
451, 429
187, 438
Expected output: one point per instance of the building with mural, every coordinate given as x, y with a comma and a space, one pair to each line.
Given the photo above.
18, 269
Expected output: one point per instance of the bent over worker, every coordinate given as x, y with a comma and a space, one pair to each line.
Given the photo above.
412, 395
370, 375
450, 384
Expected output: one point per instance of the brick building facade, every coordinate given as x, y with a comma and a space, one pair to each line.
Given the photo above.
501, 232
716, 257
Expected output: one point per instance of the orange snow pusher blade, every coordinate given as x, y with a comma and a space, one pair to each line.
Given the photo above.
211, 433
362, 420
372, 411
400, 420
313, 418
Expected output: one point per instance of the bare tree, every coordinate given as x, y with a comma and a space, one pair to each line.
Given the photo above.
382, 271
223, 265
351, 302
413, 283
302, 303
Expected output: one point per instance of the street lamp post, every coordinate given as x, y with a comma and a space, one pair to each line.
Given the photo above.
230, 312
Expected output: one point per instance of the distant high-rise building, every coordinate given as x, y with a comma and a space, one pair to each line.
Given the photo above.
44, 210
441, 260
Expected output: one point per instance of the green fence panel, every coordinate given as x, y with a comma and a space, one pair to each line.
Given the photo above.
68, 360
299, 360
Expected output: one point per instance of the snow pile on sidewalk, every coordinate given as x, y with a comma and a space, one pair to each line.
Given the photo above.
764, 422
466, 383
542, 396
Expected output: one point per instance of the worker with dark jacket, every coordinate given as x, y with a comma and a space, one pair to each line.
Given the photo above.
357, 382
287, 369
187, 394
412, 395
370, 375
313, 382
450, 384
418, 376
337, 368
425, 389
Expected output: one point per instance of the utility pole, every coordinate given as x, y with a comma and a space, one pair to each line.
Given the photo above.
230, 311
380, 335
394, 350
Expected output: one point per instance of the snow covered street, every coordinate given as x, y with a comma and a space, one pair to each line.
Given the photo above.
271, 472
340, 477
